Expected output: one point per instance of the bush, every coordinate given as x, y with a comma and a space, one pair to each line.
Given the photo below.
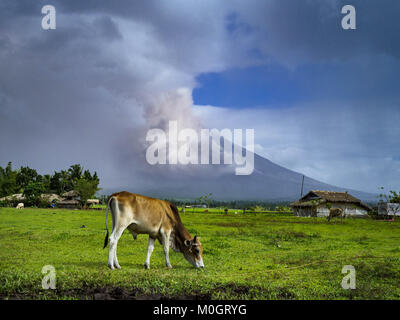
3, 204
86, 189
32, 193
43, 203
11, 202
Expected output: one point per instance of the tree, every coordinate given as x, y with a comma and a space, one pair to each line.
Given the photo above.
55, 183
27, 181
95, 177
25, 176
66, 182
75, 172
206, 198
86, 189
32, 193
392, 196
60, 182
46, 182
8, 181
87, 175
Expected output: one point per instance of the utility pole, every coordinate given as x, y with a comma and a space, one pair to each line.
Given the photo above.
302, 185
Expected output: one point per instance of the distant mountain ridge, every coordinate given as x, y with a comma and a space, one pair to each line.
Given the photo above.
268, 182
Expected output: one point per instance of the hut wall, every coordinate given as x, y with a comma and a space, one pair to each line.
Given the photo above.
303, 211
356, 212
348, 208
323, 211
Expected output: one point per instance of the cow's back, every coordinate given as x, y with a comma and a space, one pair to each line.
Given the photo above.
142, 214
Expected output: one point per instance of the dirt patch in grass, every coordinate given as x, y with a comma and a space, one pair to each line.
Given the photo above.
118, 293
237, 289
103, 293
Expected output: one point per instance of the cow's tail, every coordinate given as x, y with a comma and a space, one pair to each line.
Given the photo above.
106, 238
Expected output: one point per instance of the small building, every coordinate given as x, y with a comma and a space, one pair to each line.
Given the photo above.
14, 197
389, 209
69, 204
90, 202
199, 206
70, 194
316, 203
50, 197
70, 200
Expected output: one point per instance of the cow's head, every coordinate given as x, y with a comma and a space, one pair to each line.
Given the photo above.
194, 252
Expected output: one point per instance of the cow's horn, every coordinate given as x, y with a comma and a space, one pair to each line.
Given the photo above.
194, 239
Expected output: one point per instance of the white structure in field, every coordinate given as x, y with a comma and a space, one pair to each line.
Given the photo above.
316, 203
389, 209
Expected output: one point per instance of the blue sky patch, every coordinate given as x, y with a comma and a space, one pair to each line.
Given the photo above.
247, 88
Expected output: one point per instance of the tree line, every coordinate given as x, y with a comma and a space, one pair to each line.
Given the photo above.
32, 185
236, 204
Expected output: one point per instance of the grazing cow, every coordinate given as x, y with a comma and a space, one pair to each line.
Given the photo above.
336, 212
157, 218
20, 205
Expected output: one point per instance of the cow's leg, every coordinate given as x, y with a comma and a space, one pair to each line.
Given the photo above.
117, 236
112, 254
165, 243
111, 241
150, 248
111, 247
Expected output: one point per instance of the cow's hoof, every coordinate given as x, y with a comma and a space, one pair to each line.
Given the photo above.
146, 266
111, 267
169, 267
117, 266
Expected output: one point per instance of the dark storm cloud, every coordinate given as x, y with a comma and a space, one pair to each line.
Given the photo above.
81, 93
87, 91
300, 31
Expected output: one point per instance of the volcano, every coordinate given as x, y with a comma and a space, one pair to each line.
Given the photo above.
268, 182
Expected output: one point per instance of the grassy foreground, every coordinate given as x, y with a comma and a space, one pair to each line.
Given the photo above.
263, 256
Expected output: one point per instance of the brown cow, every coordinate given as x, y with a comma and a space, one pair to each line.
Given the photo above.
157, 218
336, 212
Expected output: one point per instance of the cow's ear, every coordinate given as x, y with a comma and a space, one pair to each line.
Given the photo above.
187, 243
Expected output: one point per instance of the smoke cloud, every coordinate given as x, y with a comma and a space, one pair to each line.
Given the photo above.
89, 91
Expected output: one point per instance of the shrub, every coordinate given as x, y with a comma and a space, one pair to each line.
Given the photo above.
43, 203
86, 189
32, 193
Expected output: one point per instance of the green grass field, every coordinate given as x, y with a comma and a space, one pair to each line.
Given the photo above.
263, 256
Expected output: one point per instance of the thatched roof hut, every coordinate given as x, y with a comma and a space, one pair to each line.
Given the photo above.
50, 197
92, 201
16, 197
70, 194
68, 204
70, 200
317, 203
